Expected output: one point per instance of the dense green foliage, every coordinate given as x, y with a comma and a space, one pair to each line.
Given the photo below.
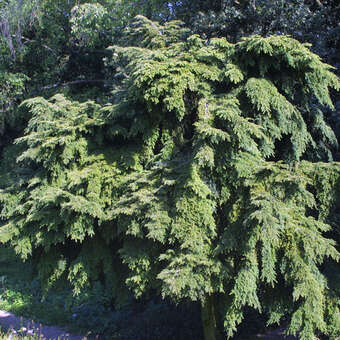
92, 311
175, 164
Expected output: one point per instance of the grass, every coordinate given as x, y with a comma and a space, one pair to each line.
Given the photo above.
20, 335
20, 292
9, 335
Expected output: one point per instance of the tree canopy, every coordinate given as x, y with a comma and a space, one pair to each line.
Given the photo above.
173, 162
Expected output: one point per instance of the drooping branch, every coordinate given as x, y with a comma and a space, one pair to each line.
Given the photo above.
31, 41
74, 82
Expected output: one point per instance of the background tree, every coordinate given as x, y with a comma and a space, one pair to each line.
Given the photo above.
204, 178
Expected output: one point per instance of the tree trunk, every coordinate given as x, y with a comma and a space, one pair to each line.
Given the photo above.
209, 319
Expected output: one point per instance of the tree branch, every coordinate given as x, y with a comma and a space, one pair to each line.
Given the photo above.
30, 41
74, 82
54, 86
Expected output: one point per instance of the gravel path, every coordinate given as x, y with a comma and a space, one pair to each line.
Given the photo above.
275, 334
11, 321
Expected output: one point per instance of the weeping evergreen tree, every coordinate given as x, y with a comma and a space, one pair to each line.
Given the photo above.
208, 177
